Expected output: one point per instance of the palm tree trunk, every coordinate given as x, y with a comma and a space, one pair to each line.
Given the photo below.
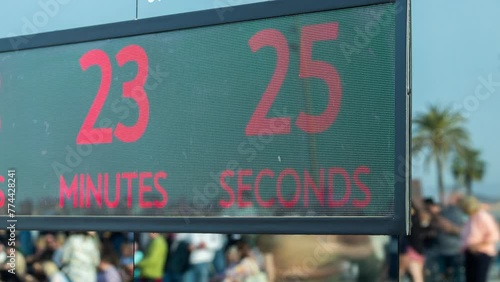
439, 164
468, 184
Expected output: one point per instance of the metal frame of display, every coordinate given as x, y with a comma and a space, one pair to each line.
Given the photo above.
393, 225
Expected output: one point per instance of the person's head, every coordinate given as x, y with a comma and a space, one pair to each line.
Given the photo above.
153, 235
127, 249
244, 249
431, 206
41, 244
454, 198
60, 238
469, 205
233, 255
51, 241
107, 260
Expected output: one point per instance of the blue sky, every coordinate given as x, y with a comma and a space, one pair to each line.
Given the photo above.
456, 47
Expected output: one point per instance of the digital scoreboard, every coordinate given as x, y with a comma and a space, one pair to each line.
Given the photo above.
285, 117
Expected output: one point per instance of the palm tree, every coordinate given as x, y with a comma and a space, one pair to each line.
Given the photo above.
439, 132
468, 167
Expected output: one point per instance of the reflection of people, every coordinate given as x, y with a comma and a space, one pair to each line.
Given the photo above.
232, 258
138, 255
52, 272
178, 259
126, 261
247, 269
430, 240
152, 264
316, 257
267, 265
45, 249
479, 238
6, 265
203, 248
80, 257
451, 221
107, 270
413, 259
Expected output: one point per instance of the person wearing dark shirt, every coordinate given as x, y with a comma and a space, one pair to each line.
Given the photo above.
430, 241
452, 220
413, 259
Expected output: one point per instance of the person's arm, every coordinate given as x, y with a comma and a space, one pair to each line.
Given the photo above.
66, 252
153, 252
448, 227
270, 268
299, 273
475, 235
494, 232
96, 258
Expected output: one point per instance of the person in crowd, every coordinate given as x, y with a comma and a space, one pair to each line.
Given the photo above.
138, 256
479, 238
451, 222
413, 259
117, 239
126, 261
232, 258
430, 241
178, 261
202, 248
219, 261
325, 252
45, 248
80, 257
53, 273
152, 265
27, 244
247, 269
107, 270
360, 252
37, 274
264, 246
57, 246
6, 265
431, 230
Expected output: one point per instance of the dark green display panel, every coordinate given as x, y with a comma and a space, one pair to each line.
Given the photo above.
195, 156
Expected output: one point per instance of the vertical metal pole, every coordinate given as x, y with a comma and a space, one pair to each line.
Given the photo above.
136, 9
398, 248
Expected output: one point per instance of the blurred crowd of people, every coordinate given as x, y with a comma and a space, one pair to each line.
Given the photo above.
456, 241
68, 257
260, 258
201, 258
124, 257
